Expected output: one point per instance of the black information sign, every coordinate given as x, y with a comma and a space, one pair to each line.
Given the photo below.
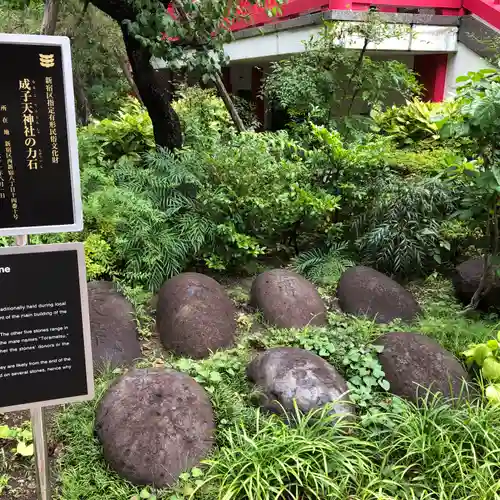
39, 188
44, 342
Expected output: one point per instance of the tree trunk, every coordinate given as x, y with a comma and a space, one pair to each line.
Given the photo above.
49, 21
156, 98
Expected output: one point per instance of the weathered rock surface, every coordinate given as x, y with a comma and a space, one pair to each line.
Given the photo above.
194, 315
415, 363
285, 374
154, 424
466, 280
113, 328
363, 291
287, 300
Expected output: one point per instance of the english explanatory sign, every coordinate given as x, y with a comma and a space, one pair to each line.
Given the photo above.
45, 346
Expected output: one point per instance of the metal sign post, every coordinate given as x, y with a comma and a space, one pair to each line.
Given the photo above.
39, 430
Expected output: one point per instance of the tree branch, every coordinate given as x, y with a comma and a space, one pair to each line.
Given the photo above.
221, 88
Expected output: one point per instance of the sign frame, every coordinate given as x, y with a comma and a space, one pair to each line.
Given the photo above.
69, 100
84, 301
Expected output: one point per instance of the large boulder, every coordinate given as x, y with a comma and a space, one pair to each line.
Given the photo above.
285, 374
287, 300
363, 291
414, 364
112, 325
154, 424
194, 316
466, 280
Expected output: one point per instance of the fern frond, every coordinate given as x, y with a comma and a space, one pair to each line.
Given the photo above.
323, 266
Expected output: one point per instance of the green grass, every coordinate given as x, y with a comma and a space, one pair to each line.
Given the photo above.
394, 451
433, 451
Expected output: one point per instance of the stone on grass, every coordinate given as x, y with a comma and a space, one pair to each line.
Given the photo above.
466, 280
154, 424
113, 328
415, 364
285, 374
363, 291
287, 300
194, 316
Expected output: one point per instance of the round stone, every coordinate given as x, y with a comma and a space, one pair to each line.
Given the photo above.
285, 374
155, 424
466, 281
414, 364
287, 300
112, 325
194, 316
363, 291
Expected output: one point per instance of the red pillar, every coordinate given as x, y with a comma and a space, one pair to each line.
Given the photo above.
257, 75
431, 70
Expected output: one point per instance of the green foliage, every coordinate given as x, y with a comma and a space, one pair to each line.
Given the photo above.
421, 162
487, 357
478, 118
98, 56
404, 451
128, 134
346, 347
99, 259
149, 217
192, 39
407, 124
413, 123
400, 234
345, 169
323, 266
364, 373
328, 80
278, 461
97, 49
205, 119
22, 437
222, 201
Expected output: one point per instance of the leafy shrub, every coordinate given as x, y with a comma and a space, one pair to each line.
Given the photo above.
124, 137
486, 356
407, 124
323, 266
221, 203
99, 259
414, 124
148, 217
348, 170
400, 234
421, 162
329, 80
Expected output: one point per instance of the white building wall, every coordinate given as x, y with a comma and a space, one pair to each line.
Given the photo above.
419, 38
460, 63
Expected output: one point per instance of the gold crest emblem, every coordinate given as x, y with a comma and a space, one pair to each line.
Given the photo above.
47, 60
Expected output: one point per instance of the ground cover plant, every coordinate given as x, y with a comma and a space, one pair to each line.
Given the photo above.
411, 190
393, 449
